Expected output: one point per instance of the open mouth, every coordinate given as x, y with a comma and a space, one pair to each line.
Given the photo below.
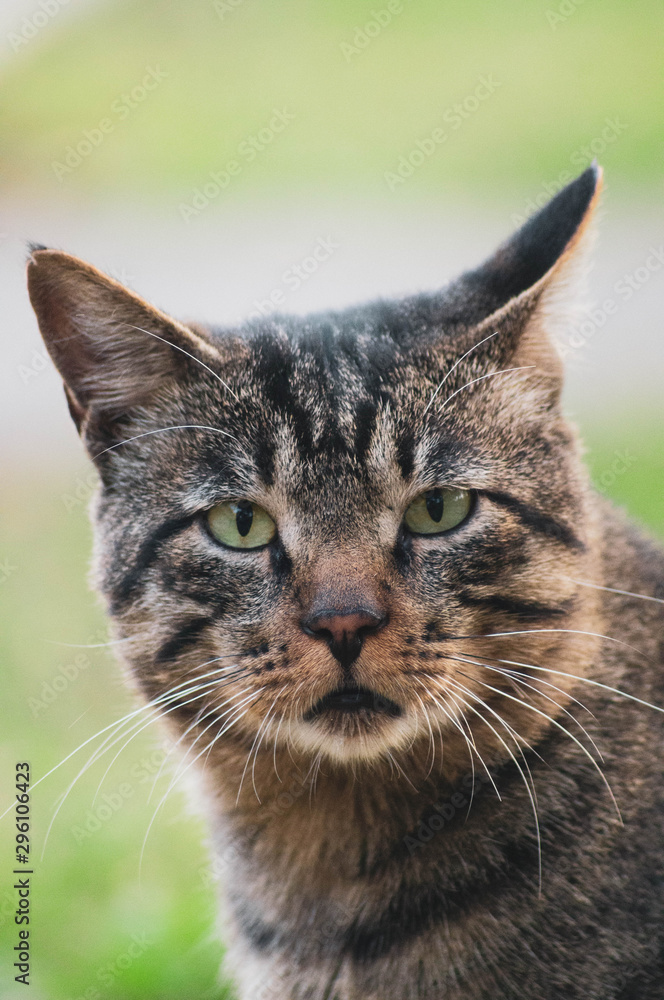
351, 700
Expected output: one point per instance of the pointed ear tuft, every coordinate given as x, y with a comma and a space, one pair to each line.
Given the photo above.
33, 247
522, 294
112, 349
546, 241
543, 245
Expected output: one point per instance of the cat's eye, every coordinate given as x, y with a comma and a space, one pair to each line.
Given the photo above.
241, 524
438, 510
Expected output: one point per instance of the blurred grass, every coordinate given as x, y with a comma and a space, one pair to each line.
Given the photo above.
626, 461
355, 115
88, 901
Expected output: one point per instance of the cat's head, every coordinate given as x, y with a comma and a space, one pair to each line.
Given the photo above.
348, 533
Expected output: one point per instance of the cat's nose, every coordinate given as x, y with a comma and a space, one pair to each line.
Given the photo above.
344, 629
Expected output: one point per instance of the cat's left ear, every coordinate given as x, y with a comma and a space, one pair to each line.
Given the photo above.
525, 290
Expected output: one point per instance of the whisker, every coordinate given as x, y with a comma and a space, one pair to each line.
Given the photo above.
530, 790
274, 752
160, 430
98, 753
228, 725
432, 744
495, 659
470, 743
509, 673
212, 710
400, 770
572, 631
90, 645
559, 725
502, 371
200, 691
172, 698
113, 725
314, 781
192, 356
456, 365
613, 590
587, 680
256, 743
518, 738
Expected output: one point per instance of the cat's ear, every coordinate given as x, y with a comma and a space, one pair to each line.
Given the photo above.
112, 349
525, 290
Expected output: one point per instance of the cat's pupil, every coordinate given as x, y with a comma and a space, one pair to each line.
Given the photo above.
435, 505
244, 516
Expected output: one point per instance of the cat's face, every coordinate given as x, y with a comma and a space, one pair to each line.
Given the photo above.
316, 533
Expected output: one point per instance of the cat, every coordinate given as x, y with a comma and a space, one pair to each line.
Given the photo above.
355, 561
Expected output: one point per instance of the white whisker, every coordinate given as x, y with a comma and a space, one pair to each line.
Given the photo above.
509, 675
192, 356
613, 590
160, 430
456, 365
502, 371
559, 725
180, 773
530, 788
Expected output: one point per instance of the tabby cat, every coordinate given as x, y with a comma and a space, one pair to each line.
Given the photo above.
355, 562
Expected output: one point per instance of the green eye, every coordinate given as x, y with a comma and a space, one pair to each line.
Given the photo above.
241, 524
438, 510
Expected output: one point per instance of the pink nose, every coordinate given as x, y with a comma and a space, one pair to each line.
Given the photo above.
344, 629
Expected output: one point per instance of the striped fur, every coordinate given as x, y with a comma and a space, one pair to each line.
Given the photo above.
394, 855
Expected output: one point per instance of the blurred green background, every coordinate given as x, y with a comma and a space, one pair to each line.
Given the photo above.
527, 92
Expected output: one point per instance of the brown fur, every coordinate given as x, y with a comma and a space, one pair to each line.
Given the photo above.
462, 844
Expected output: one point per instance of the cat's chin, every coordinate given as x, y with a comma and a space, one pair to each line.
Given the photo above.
352, 726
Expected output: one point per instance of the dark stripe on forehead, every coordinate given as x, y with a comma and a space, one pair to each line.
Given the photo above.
186, 635
543, 523
405, 453
365, 423
376, 399
276, 375
147, 554
264, 455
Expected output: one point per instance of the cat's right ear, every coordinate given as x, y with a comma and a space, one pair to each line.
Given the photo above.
112, 349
